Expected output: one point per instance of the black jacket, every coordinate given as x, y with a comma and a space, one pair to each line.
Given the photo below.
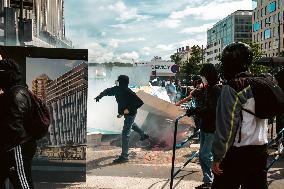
125, 98
207, 111
15, 112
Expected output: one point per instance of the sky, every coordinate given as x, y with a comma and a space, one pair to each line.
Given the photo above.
51, 67
138, 30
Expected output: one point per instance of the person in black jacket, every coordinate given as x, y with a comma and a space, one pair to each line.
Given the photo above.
17, 147
207, 113
128, 103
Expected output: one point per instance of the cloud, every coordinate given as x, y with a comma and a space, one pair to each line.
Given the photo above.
146, 48
126, 13
211, 11
70, 64
116, 42
99, 54
197, 29
165, 47
170, 23
121, 26
128, 56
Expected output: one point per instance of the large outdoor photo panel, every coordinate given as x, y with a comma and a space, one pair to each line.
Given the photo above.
59, 77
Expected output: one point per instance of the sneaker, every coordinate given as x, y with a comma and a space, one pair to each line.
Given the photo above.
120, 159
144, 137
204, 185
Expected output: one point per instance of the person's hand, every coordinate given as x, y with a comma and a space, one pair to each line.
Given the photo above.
216, 168
126, 111
97, 99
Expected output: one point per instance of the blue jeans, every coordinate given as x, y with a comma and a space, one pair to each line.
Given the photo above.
205, 155
128, 125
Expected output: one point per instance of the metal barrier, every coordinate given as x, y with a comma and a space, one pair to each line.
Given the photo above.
175, 145
278, 139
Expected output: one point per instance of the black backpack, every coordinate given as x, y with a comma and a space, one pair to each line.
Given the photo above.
40, 118
268, 96
134, 102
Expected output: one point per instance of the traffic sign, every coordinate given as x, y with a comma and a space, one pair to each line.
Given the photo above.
175, 68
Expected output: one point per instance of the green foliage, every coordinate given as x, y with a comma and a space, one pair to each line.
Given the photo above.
257, 54
176, 58
192, 65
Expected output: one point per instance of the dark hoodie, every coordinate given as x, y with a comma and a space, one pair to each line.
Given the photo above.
125, 97
15, 106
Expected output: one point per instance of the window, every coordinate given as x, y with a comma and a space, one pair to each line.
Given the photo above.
261, 46
261, 13
265, 45
269, 46
256, 26
267, 34
271, 7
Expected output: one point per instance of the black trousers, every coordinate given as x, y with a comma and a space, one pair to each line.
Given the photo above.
16, 166
245, 167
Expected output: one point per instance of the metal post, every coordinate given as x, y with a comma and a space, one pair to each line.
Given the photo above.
279, 39
174, 151
21, 24
202, 55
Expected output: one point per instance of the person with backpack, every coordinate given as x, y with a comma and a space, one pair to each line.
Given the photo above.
128, 103
240, 144
210, 93
17, 146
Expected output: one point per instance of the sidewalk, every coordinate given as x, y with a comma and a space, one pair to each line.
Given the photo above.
137, 174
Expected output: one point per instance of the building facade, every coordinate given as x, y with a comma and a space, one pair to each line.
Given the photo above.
67, 102
235, 27
39, 86
43, 23
268, 26
184, 53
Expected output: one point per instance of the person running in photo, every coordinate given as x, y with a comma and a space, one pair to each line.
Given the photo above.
128, 103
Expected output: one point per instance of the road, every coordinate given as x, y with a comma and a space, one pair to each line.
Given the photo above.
154, 174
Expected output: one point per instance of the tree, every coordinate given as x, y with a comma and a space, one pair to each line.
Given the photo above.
257, 54
176, 58
192, 65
